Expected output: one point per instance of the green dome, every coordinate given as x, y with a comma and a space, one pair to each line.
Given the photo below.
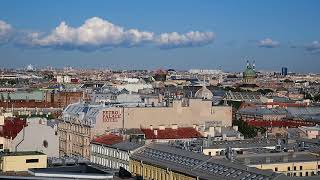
249, 72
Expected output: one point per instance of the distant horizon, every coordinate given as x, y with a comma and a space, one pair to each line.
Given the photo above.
164, 34
148, 69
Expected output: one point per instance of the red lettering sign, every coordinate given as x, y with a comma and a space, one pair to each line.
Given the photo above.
111, 116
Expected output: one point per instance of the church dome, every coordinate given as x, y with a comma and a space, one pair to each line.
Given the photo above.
204, 93
249, 75
249, 72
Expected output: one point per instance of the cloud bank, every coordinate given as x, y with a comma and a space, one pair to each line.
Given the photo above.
314, 47
97, 33
6, 31
268, 43
192, 38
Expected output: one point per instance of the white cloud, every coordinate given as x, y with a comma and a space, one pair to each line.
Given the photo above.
192, 38
94, 33
5, 31
268, 43
98, 33
313, 47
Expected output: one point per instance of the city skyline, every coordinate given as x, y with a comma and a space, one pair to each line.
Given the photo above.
145, 35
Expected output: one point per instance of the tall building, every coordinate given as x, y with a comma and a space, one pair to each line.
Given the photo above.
284, 71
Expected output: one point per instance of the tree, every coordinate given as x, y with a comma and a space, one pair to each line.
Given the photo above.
247, 130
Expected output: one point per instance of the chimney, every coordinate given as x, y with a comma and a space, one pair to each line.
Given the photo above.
151, 127
194, 126
218, 129
155, 132
235, 128
174, 126
211, 131
161, 127
224, 137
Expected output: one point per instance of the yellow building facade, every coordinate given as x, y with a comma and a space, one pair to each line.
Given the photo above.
310, 168
148, 171
22, 161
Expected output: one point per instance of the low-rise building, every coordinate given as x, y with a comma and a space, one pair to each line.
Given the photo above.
111, 151
159, 162
290, 164
29, 135
22, 161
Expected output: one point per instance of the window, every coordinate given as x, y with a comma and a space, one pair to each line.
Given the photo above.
45, 143
276, 169
307, 173
288, 168
295, 168
209, 153
300, 167
300, 173
32, 160
294, 174
1, 146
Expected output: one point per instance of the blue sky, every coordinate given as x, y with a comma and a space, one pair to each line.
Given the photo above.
161, 34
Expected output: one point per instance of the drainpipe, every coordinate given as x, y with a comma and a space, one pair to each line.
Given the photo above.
23, 134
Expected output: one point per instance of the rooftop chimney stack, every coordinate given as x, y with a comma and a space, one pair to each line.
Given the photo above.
155, 132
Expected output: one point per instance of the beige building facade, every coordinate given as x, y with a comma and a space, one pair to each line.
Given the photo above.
22, 161
82, 122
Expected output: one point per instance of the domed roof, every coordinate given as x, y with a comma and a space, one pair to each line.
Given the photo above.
204, 93
249, 72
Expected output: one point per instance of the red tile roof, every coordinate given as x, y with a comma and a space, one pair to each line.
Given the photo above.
108, 139
168, 133
11, 127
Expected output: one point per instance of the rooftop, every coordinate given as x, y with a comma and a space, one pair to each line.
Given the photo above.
169, 133
248, 143
199, 165
283, 157
21, 153
74, 172
108, 139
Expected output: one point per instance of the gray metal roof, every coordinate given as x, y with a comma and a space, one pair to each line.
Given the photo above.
127, 145
283, 157
248, 143
199, 165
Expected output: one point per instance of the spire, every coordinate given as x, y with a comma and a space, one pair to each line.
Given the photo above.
248, 64
254, 65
